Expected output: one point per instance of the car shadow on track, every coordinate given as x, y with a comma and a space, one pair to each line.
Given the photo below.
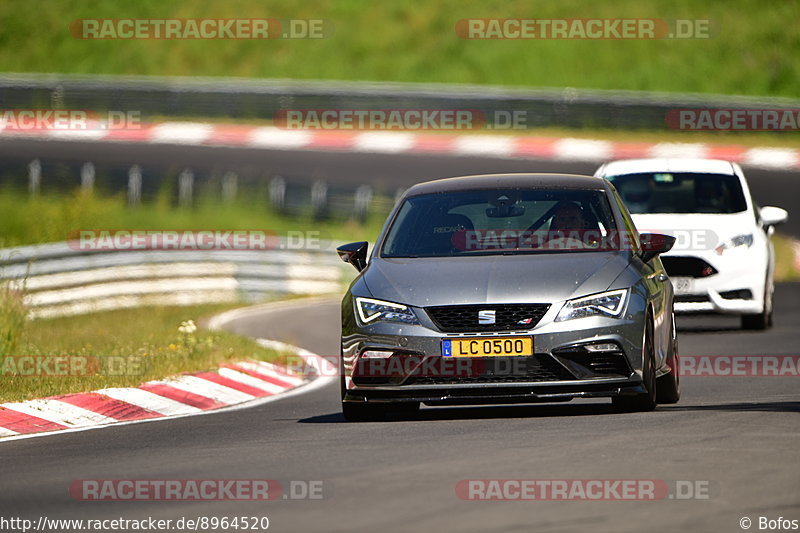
712, 329
547, 411
483, 412
790, 406
709, 324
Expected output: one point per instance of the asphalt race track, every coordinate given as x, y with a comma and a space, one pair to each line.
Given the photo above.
737, 435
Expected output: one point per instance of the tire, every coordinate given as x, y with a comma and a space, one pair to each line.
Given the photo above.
668, 386
362, 412
645, 401
371, 412
762, 320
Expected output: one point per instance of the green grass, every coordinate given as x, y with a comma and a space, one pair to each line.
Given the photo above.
754, 48
53, 217
785, 269
141, 344
12, 318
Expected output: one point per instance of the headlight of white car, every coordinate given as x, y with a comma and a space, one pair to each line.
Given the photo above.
740, 241
609, 303
371, 310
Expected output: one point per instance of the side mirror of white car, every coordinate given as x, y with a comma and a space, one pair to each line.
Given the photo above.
772, 216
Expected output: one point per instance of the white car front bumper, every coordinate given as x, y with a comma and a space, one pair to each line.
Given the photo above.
726, 292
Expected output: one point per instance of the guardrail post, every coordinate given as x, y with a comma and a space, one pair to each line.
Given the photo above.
185, 188
34, 177
230, 186
319, 199
135, 185
87, 176
277, 194
363, 199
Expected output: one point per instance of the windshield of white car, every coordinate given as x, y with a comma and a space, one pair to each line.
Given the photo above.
680, 192
502, 222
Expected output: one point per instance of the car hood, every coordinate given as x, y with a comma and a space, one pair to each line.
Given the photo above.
540, 278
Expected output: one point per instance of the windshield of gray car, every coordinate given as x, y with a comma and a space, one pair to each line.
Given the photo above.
680, 192
501, 221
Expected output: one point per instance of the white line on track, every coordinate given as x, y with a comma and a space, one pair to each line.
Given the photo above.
209, 389
246, 379
151, 401
59, 412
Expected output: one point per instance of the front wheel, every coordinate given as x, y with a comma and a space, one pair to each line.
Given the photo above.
762, 320
645, 401
668, 386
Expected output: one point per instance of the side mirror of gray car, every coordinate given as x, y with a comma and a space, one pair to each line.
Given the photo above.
354, 253
654, 244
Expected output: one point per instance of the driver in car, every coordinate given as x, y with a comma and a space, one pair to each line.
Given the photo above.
569, 224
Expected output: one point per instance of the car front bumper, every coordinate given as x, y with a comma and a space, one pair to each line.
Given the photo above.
736, 273
560, 369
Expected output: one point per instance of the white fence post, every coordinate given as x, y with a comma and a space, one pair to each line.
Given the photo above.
230, 186
34, 177
277, 194
87, 176
319, 199
185, 188
363, 199
135, 185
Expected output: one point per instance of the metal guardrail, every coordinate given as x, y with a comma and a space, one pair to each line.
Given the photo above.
262, 99
59, 280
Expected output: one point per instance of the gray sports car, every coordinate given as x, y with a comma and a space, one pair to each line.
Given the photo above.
508, 288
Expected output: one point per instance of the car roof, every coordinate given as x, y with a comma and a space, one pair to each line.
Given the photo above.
634, 166
514, 180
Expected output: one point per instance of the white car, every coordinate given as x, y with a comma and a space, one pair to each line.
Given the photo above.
723, 260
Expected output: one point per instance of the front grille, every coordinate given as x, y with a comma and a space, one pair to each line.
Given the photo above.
692, 267
691, 298
508, 317
741, 294
540, 367
601, 363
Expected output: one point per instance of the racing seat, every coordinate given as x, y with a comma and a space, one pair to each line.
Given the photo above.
440, 232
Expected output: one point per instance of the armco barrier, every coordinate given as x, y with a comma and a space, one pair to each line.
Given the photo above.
60, 280
264, 98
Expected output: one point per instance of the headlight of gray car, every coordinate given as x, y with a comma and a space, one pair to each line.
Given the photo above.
609, 303
372, 310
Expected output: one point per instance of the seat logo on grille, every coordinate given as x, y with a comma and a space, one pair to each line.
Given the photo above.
487, 316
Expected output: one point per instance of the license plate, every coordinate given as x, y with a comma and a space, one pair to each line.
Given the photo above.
487, 347
683, 285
